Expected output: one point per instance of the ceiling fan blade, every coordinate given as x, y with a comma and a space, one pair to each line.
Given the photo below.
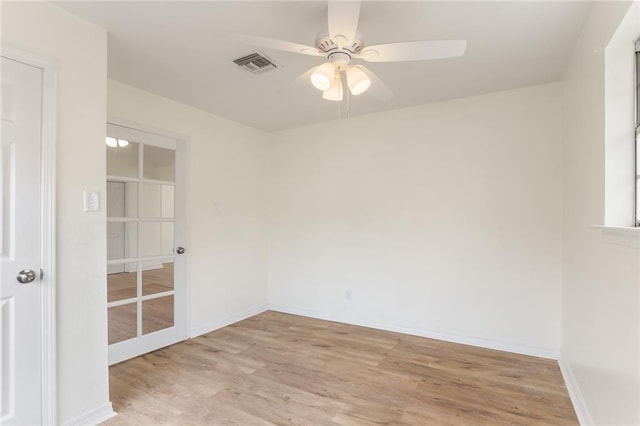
343, 21
272, 43
378, 89
413, 50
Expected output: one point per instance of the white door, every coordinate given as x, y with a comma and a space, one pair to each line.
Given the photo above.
20, 244
146, 262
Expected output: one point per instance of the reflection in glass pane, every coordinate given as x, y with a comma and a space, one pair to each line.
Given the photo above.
123, 322
159, 163
156, 238
121, 281
122, 199
122, 240
158, 279
157, 314
123, 160
157, 201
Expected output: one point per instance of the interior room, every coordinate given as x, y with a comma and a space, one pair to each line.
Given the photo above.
326, 201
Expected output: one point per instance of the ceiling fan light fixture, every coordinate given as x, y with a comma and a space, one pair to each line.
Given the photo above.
357, 80
334, 93
323, 76
111, 142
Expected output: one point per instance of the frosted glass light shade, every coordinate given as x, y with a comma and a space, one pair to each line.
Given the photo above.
112, 142
323, 76
122, 143
357, 80
334, 93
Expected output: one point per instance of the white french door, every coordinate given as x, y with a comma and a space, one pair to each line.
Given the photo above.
146, 257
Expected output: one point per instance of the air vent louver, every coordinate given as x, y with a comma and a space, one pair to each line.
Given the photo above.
255, 63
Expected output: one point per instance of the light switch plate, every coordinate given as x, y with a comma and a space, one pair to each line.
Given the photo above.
91, 201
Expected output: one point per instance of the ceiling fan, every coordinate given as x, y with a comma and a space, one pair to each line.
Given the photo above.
342, 43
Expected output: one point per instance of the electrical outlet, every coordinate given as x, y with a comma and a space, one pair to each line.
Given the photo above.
348, 295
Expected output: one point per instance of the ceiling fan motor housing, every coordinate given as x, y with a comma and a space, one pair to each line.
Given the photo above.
340, 56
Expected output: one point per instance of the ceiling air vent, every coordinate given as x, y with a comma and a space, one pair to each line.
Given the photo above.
255, 63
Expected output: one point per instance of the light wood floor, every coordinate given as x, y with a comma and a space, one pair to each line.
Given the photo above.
282, 369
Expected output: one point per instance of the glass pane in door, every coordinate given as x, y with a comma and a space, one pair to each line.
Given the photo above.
158, 201
122, 161
156, 238
159, 163
122, 240
123, 322
122, 199
157, 314
158, 279
123, 284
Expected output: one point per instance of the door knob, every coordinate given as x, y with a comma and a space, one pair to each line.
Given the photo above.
180, 250
26, 276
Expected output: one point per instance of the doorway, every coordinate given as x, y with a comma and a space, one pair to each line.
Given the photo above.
146, 254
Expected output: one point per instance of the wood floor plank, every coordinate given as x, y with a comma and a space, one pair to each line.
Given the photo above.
279, 369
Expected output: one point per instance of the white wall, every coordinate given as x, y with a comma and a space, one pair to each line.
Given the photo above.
442, 220
225, 204
78, 50
601, 320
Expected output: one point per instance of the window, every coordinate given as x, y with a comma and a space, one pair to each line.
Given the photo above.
637, 140
621, 119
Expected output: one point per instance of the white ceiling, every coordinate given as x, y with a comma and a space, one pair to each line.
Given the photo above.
184, 51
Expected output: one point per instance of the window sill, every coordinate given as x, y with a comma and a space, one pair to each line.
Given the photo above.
620, 235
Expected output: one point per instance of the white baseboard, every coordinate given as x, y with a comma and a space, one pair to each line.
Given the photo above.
579, 404
93, 417
472, 341
228, 320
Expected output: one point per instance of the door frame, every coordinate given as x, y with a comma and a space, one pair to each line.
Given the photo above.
48, 397
181, 141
